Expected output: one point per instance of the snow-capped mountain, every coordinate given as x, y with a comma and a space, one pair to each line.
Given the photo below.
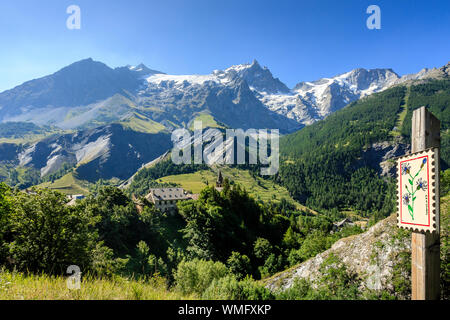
306, 103
142, 70
228, 95
310, 101
89, 93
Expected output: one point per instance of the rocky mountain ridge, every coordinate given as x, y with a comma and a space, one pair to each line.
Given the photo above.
88, 93
101, 153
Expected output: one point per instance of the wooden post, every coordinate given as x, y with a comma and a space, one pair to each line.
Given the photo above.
425, 247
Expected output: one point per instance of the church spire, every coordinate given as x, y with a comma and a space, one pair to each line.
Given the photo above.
219, 181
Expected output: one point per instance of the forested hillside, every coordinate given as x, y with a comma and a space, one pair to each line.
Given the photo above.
434, 95
320, 163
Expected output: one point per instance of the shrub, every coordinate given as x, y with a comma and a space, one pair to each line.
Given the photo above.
104, 263
262, 248
196, 275
337, 282
272, 265
239, 264
314, 243
143, 263
48, 235
229, 288
295, 257
300, 290
5, 210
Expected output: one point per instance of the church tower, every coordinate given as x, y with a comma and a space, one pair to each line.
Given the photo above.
219, 182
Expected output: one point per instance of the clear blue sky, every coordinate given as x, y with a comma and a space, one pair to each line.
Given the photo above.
298, 40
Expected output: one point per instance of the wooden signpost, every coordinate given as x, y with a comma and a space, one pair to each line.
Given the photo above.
418, 203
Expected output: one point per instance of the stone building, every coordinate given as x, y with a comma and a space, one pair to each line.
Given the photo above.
165, 199
339, 225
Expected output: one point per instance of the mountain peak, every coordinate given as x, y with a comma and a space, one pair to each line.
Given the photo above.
257, 77
80, 83
84, 64
365, 78
375, 70
255, 63
87, 61
139, 67
143, 70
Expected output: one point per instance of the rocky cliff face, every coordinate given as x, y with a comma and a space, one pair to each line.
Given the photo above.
103, 152
442, 73
226, 95
372, 256
381, 156
327, 95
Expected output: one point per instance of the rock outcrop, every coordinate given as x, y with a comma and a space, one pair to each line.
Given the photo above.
371, 255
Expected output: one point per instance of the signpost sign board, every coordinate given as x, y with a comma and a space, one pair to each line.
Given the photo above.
417, 191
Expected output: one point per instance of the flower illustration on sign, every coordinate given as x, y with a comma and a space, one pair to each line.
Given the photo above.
406, 168
421, 185
406, 198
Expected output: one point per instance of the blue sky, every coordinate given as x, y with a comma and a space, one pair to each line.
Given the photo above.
298, 40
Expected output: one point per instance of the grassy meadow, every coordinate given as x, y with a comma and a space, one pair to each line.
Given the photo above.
18, 286
67, 184
256, 186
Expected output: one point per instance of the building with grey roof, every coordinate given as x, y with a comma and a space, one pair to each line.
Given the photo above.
165, 199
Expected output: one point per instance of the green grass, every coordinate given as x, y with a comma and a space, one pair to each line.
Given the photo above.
207, 120
67, 184
141, 123
257, 187
193, 182
401, 115
32, 138
19, 286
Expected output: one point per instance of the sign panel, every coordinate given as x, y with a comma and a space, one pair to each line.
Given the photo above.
417, 190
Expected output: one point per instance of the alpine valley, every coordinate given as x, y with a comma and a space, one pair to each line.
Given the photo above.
104, 123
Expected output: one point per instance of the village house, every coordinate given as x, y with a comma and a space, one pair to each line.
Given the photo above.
73, 198
343, 223
165, 199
